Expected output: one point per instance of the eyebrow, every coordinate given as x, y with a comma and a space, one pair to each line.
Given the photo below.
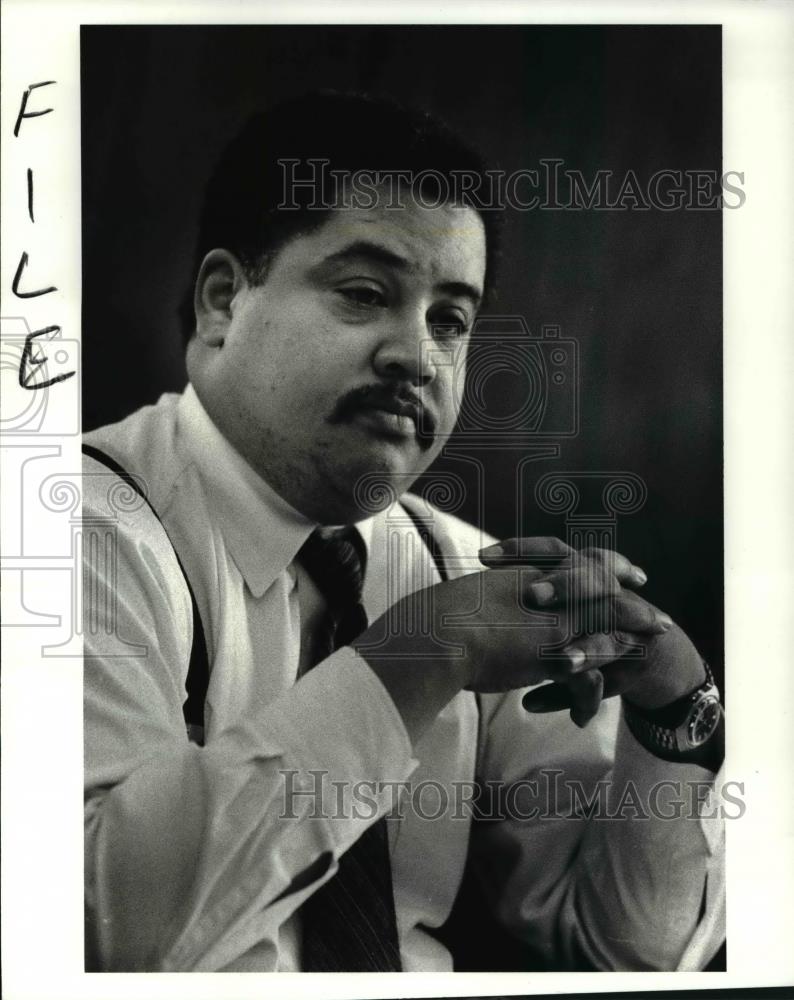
383, 255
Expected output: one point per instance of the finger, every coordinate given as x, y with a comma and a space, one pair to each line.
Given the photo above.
609, 607
596, 650
549, 552
619, 677
584, 582
582, 694
621, 613
543, 551
553, 697
586, 691
613, 562
589, 654
630, 613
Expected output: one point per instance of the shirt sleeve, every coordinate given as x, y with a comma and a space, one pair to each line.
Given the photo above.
196, 855
598, 854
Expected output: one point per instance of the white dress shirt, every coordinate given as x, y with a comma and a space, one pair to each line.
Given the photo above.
199, 859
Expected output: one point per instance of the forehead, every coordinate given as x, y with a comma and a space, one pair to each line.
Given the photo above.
437, 245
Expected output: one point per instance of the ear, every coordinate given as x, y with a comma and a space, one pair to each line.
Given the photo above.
219, 280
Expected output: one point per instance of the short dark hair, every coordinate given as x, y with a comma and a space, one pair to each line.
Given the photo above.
353, 133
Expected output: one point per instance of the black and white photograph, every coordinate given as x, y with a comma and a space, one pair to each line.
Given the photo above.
315, 587
398, 563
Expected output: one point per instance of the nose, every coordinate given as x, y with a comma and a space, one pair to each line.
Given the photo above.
405, 352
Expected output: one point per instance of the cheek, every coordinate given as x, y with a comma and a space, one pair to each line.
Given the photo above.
452, 385
293, 396
287, 366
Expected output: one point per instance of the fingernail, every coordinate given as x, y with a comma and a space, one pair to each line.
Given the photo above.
664, 620
542, 592
576, 656
639, 575
491, 550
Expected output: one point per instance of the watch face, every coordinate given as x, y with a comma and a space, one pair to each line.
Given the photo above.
705, 719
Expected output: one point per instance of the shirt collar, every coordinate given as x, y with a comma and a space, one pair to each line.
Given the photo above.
262, 531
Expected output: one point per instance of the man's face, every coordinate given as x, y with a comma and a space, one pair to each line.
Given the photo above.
348, 360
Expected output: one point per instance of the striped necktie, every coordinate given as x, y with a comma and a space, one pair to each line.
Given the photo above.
349, 924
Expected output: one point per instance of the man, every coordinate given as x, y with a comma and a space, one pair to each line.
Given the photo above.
324, 350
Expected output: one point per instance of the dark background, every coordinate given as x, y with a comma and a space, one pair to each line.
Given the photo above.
639, 290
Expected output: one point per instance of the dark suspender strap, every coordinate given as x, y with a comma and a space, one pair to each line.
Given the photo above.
198, 674
426, 534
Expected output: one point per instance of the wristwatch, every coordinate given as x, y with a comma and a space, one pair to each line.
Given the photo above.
681, 728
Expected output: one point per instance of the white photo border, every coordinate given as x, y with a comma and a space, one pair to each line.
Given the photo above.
42, 883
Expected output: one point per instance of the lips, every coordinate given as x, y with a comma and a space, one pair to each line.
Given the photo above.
401, 407
403, 417
393, 410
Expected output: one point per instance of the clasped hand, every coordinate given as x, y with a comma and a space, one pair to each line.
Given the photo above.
601, 638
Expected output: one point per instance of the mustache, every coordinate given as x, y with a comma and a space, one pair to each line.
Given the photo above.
395, 398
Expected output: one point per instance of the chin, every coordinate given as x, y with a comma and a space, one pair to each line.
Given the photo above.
372, 487
358, 478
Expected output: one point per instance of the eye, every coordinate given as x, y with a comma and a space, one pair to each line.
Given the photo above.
363, 296
449, 326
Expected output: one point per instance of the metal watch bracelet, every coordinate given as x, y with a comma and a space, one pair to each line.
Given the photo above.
679, 730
